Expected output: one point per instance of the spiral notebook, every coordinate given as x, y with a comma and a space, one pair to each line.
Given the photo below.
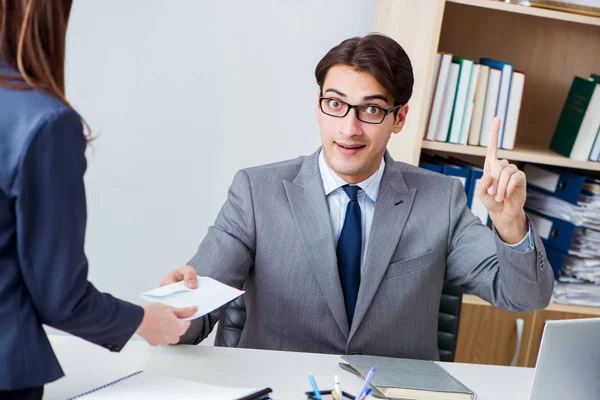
147, 386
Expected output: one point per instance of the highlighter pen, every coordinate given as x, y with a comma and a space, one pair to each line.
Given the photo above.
337, 389
316, 391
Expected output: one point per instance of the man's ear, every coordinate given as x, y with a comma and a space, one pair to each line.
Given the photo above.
400, 119
317, 108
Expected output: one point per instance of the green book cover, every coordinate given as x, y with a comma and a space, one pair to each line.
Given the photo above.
595, 77
572, 115
464, 73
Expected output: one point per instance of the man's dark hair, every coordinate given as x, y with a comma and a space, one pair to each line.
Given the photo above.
378, 55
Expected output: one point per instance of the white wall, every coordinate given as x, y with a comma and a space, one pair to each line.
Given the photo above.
181, 94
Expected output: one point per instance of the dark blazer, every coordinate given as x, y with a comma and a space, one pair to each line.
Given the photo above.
43, 267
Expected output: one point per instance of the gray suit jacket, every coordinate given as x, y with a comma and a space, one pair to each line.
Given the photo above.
273, 237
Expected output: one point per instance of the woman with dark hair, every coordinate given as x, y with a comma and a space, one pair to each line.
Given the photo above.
43, 267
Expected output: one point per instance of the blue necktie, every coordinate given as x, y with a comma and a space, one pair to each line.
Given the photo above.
349, 251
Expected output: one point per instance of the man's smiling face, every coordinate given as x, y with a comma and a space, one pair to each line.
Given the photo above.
352, 148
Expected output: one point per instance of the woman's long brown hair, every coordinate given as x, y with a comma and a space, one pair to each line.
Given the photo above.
32, 42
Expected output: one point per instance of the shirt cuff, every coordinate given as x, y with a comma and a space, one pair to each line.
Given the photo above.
526, 244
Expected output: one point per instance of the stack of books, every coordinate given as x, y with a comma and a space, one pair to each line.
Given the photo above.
565, 210
466, 96
577, 133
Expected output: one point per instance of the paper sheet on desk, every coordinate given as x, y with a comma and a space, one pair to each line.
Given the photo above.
209, 295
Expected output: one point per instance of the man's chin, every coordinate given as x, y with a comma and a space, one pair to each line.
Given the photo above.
347, 170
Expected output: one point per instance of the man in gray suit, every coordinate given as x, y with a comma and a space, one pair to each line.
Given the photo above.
346, 250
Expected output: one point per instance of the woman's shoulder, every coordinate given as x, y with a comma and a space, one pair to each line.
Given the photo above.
24, 113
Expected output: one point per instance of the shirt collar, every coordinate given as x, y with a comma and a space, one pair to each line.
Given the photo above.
332, 181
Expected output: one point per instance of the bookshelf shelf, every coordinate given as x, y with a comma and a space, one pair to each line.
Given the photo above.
522, 152
534, 11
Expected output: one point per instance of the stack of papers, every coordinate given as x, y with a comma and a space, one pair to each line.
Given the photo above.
579, 281
580, 294
585, 213
208, 296
582, 269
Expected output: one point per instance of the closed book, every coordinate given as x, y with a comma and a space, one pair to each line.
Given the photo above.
491, 101
436, 72
444, 125
595, 154
514, 110
438, 98
400, 378
482, 81
579, 120
504, 93
468, 118
460, 99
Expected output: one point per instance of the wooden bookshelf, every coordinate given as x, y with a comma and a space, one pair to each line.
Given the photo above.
533, 11
525, 152
550, 47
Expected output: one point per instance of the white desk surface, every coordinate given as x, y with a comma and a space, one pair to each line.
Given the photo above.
87, 366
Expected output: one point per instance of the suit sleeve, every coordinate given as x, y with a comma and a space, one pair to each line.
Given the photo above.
227, 252
480, 262
51, 220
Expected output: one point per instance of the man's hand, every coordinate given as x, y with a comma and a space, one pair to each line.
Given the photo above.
503, 191
186, 273
163, 325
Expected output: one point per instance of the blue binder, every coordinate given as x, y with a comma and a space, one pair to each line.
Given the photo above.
560, 183
462, 173
447, 167
556, 259
553, 232
476, 174
431, 167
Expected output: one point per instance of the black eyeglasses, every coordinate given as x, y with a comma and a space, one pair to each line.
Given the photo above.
368, 114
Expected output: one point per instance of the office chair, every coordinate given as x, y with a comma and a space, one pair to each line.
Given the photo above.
232, 322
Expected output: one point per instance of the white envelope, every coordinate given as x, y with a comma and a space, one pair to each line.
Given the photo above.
209, 295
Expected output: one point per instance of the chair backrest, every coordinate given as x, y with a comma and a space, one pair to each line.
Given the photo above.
229, 329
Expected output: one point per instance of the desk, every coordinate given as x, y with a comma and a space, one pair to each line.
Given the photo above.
87, 366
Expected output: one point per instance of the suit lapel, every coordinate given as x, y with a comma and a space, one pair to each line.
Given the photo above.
392, 209
310, 211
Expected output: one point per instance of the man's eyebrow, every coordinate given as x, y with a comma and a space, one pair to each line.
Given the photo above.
375, 97
365, 98
335, 91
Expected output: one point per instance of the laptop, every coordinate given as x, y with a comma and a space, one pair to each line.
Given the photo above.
568, 363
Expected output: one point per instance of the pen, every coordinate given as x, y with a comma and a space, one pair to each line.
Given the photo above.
368, 392
361, 394
337, 389
316, 391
